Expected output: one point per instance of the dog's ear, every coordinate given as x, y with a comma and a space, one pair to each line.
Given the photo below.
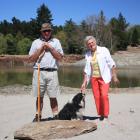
83, 94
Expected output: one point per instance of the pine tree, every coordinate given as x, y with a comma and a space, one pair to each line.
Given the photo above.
135, 37
119, 34
43, 15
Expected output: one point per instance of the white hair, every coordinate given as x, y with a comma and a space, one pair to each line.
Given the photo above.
87, 38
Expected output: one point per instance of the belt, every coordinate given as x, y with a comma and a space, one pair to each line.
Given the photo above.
47, 69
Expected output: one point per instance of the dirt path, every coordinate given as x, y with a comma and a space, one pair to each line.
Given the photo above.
123, 123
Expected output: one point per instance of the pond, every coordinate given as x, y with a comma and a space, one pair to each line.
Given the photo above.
70, 76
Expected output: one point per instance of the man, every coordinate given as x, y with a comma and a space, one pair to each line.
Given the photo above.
46, 51
100, 69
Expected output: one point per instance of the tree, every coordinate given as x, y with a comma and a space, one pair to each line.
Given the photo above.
113, 34
134, 35
16, 26
19, 36
3, 44
11, 44
23, 46
122, 25
96, 26
135, 38
61, 35
73, 39
119, 32
122, 33
101, 29
85, 29
91, 25
5, 27
43, 15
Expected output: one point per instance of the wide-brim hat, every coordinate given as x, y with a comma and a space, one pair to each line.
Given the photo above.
46, 26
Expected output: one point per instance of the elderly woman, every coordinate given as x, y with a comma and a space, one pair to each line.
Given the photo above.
100, 69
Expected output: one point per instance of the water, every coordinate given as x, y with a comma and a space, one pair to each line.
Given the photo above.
68, 76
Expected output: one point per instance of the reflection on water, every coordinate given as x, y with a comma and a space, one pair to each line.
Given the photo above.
72, 76
15, 76
68, 76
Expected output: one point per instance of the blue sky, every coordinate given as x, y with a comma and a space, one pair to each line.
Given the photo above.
63, 10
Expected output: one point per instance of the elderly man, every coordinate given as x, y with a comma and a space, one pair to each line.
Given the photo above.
45, 52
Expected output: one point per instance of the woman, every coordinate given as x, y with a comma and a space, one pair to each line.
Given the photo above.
100, 69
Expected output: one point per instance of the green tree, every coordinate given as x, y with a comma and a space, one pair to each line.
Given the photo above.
122, 33
18, 36
84, 27
3, 44
135, 37
5, 27
11, 44
61, 35
23, 46
33, 29
43, 15
16, 26
73, 39
119, 32
113, 34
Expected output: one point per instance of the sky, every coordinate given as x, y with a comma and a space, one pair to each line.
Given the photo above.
77, 10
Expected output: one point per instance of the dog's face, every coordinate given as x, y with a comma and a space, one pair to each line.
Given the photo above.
79, 100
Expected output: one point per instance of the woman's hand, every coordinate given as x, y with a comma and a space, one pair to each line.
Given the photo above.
83, 87
115, 80
114, 76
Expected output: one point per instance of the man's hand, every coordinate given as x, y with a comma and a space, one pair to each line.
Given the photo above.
47, 47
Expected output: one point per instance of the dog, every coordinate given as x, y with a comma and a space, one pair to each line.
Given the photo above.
73, 110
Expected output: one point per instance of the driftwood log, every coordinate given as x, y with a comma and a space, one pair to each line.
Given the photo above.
54, 130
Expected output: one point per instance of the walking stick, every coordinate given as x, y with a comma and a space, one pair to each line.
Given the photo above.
38, 101
38, 92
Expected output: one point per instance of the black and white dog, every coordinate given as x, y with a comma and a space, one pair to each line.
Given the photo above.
73, 109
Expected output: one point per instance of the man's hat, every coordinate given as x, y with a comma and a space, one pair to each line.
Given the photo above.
46, 26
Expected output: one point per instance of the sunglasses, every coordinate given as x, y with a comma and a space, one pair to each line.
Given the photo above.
47, 31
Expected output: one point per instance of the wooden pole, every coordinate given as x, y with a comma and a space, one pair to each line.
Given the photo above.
38, 92
39, 105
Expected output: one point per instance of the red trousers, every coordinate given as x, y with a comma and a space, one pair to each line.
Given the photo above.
100, 91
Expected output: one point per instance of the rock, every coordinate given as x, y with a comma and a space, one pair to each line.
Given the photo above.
54, 129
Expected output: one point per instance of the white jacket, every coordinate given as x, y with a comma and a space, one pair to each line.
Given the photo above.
105, 62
